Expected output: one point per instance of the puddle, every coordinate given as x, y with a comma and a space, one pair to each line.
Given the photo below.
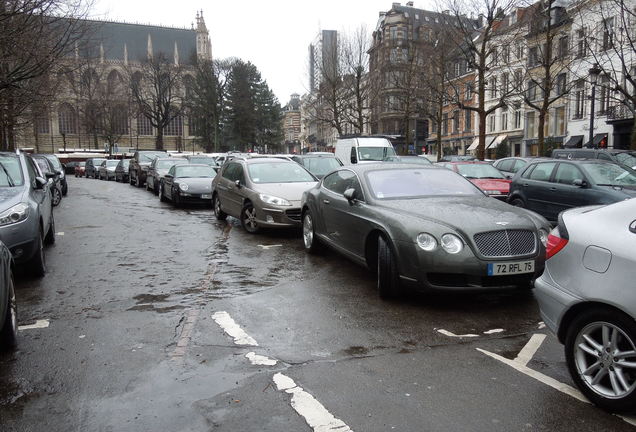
152, 308
151, 298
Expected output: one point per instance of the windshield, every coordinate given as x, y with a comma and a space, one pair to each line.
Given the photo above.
195, 171
202, 160
321, 165
55, 161
10, 171
418, 183
98, 162
375, 153
479, 171
149, 157
626, 158
112, 163
611, 175
274, 172
414, 160
125, 163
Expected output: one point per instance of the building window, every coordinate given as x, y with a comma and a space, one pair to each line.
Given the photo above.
457, 68
563, 47
532, 90
531, 126
144, 127
493, 87
491, 122
608, 33
518, 116
505, 54
505, 84
559, 121
42, 124
581, 45
468, 116
579, 99
560, 84
67, 118
120, 121
445, 124
494, 56
520, 51
504, 121
456, 122
533, 56
469, 91
604, 96
394, 32
518, 80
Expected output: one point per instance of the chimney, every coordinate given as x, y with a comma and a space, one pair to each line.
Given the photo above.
409, 4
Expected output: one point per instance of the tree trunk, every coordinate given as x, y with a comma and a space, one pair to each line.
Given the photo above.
632, 142
159, 140
95, 142
540, 134
481, 148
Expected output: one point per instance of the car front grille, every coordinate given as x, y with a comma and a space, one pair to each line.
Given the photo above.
506, 243
293, 214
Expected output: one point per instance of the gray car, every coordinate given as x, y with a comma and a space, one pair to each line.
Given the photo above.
159, 168
92, 167
121, 171
261, 192
8, 305
187, 183
587, 297
26, 211
106, 170
423, 226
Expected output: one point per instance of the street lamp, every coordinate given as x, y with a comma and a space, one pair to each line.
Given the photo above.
594, 72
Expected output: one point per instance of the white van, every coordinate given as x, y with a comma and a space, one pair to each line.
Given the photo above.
363, 149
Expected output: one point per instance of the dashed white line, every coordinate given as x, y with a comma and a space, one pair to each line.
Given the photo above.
61, 233
530, 349
266, 247
493, 331
260, 360
39, 324
225, 321
451, 334
314, 413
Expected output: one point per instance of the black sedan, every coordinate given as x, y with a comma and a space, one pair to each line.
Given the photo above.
8, 305
424, 226
187, 183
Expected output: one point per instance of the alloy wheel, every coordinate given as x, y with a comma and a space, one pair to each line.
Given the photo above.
308, 231
250, 218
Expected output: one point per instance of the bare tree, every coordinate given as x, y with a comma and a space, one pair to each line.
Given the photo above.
357, 85
156, 89
476, 45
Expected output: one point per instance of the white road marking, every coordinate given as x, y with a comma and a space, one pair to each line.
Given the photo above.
493, 331
60, 233
314, 413
563, 388
256, 359
39, 324
266, 247
530, 349
451, 334
228, 325
541, 325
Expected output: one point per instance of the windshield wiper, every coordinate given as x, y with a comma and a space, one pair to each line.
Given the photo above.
9, 178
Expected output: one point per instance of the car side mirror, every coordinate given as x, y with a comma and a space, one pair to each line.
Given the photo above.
39, 183
354, 159
579, 183
50, 175
238, 183
350, 195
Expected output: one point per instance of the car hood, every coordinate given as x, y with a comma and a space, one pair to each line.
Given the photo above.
467, 214
10, 196
492, 184
196, 185
292, 192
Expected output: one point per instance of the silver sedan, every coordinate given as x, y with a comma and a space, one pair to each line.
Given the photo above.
587, 296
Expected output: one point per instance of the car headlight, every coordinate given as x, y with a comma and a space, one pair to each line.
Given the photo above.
274, 200
183, 186
543, 236
452, 244
426, 242
15, 214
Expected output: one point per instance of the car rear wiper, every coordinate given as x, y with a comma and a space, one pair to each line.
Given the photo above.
9, 178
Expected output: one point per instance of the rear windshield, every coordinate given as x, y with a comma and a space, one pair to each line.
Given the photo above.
55, 161
10, 171
418, 183
375, 153
202, 160
626, 158
479, 171
98, 162
274, 172
321, 165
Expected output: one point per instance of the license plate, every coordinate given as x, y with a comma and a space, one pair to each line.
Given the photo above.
206, 196
508, 268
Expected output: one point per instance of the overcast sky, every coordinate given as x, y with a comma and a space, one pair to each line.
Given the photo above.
274, 35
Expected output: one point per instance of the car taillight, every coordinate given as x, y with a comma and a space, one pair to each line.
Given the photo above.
556, 242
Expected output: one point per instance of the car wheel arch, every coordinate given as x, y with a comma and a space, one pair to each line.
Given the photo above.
371, 247
581, 308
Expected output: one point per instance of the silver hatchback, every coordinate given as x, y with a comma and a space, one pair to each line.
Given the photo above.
587, 296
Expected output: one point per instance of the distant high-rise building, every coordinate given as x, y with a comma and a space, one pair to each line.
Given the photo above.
323, 56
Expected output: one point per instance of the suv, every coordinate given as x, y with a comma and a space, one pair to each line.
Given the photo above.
549, 186
139, 164
92, 166
26, 211
623, 157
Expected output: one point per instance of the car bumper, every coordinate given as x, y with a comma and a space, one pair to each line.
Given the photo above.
194, 196
553, 300
462, 272
21, 239
272, 217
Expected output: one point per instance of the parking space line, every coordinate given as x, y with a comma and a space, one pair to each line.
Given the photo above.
451, 334
530, 349
39, 324
314, 413
225, 321
259, 360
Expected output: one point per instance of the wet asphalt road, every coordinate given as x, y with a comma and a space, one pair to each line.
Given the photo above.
132, 346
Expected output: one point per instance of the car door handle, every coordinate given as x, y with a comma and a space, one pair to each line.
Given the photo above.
525, 185
552, 189
325, 201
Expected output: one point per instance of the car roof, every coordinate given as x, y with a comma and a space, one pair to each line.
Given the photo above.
265, 159
366, 167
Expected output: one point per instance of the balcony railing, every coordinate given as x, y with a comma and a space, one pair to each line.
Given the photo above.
619, 112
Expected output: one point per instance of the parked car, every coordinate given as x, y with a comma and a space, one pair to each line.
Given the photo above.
69, 167
424, 226
484, 176
80, 169
417, 160
510, 165
458, 158
92, 166
106, 170
187, 183
46, 167
351, 151
318, 164
158, 168
121, 170
8, 304
261, 192
623, 157
201, 159
587, 298
26, 211
139, 164
549, 186
59, 168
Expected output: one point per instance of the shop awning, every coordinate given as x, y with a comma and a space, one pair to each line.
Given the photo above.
498, 140
473, 145
574, 141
